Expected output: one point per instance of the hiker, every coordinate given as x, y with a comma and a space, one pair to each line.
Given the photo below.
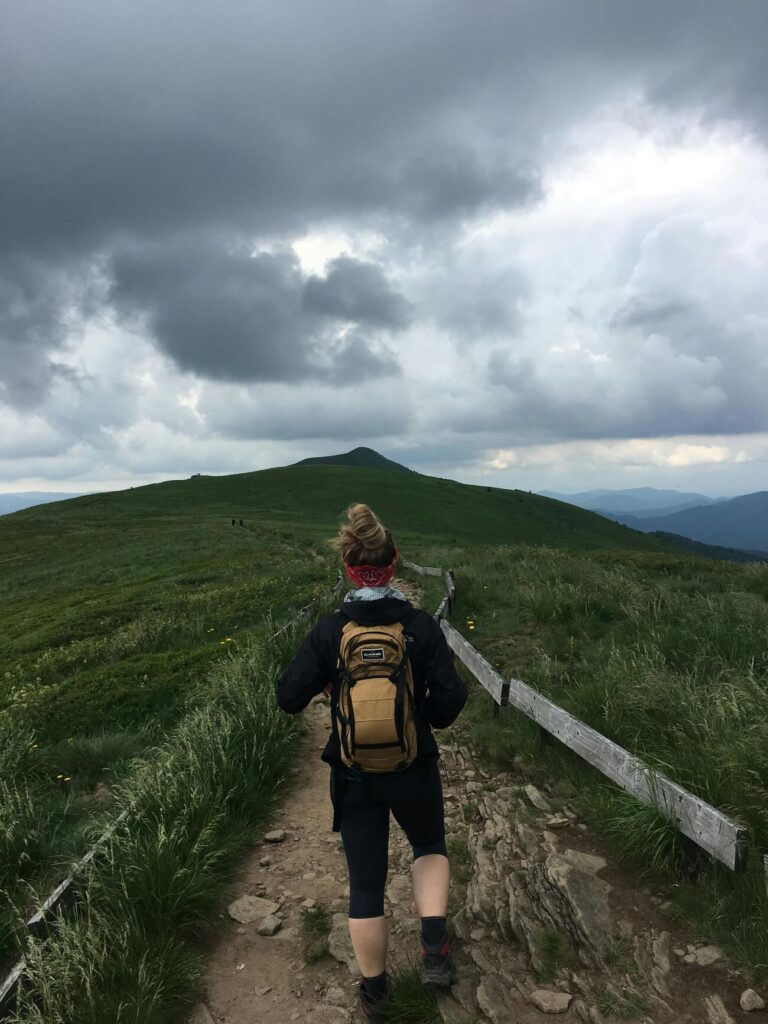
380, 652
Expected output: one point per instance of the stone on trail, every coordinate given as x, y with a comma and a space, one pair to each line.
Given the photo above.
538, 799
550, 1002
331, 1015
340, 944
265, 861
750, 1001
334, 995
269, 925
309, 903
716, 1011
705, 957
262, 990
498, 1001
275, 836
557, 821
248, 909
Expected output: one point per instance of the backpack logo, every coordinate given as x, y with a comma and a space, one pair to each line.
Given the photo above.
373, 654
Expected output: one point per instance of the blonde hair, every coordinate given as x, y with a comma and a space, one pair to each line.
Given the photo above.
362, 539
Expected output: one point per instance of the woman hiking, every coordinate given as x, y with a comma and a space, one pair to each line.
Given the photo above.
391, 679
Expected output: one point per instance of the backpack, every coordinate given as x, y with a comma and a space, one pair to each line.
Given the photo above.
374, 709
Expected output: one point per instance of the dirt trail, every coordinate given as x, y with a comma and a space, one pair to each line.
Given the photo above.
544, 923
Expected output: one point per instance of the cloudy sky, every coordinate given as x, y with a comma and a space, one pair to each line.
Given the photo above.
521, 242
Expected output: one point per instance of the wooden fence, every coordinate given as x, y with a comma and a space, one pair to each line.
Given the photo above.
713, 831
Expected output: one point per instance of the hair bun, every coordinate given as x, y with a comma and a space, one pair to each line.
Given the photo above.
363, 539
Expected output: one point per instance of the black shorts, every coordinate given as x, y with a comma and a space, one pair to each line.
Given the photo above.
415, 798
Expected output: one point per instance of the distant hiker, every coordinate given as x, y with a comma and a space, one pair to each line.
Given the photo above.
233, 522
379, 652
242, 523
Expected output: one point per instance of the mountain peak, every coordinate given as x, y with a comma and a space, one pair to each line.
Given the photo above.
360, 457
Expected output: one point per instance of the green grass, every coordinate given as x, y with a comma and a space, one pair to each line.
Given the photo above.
411, 1002
315, 930
667, 656
460, 858
124, 612
553, 950
128, 953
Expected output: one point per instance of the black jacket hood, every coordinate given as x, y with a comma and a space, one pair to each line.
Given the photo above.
382, 612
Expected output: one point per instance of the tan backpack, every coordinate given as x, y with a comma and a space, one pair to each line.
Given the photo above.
374, 709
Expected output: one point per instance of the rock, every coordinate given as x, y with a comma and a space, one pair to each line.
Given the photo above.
269, 925
248, 909
340, 944
262, 990
309, 903
335, 995
400, 890
477, 934
200, 1015
265, 861
538, 799
286, 935
582, 1011
716, 1011
550, 1002
451, 1011
705, 957
497, 1000
660, 947
557, 821
331, 1015
275, 836
750, 1001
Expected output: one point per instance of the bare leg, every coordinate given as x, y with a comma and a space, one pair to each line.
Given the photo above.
431, 875
369, 940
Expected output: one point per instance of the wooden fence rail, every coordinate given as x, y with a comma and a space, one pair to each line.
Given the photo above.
713, 831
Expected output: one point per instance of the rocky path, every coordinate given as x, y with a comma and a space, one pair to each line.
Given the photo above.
544, 925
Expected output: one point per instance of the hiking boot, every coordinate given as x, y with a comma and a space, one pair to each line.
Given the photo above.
374, 1006
437, 967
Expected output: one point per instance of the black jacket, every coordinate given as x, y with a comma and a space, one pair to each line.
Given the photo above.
440, 693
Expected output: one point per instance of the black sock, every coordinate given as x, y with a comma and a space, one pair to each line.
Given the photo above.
432, 930
375, 986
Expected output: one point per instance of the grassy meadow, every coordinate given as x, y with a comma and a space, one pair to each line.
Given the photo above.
666, 655
135, 671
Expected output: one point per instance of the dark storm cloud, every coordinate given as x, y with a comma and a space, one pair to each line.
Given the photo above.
35, 300
357, 291
147, 118
230, 314
137, 133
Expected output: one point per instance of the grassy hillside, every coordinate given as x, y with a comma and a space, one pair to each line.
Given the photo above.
116, 606
135, 620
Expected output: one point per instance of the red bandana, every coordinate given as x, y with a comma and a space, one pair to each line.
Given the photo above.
372, 575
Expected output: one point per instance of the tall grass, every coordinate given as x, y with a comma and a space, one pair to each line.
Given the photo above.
127, 955
668, 657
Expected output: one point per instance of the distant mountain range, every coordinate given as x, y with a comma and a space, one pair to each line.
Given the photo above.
637, 501
734, 523
26, 499
361, 458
